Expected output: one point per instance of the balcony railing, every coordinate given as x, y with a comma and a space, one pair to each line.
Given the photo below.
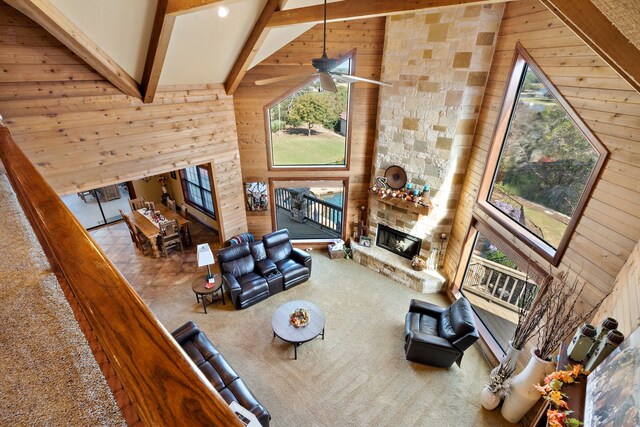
165, 386
496, 282
318, 212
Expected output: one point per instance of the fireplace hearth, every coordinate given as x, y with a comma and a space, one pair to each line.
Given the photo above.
397, 242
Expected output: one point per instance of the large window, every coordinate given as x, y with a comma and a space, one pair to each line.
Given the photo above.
196, 185
309, 127
543, 162
310, 210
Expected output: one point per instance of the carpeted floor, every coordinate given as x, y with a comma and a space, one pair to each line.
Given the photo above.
357, 376
48, 375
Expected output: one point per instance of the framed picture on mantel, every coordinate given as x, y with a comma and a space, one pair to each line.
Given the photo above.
365, 241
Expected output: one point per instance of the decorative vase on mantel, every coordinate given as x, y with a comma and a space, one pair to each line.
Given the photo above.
522, 395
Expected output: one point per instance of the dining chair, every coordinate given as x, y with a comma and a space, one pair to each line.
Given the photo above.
183, 211
170, 236
139, 240
136, 204
171, 204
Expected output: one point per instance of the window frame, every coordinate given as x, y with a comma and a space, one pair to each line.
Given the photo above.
516, 75
185, 192
345, 203
267, 123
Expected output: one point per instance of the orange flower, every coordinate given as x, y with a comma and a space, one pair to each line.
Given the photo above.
556, 418
544, 390
576, 370
556, 398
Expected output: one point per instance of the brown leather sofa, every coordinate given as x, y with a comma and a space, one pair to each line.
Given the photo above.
216, 369
252, 272
439, 336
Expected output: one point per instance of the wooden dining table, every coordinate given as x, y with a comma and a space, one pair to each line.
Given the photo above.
152, 231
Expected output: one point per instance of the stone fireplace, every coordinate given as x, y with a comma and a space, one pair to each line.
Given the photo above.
438, 62
397, 242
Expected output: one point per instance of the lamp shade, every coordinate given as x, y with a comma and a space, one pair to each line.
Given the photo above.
205, 256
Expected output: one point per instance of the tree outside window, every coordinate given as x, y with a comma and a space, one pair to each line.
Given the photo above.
309, 127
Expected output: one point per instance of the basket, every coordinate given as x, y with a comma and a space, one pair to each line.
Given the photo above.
335, 254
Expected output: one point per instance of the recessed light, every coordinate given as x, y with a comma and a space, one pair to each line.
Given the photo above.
223, 11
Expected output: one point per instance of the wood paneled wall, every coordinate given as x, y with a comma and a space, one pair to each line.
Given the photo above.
81, 132
610, 225
367, 38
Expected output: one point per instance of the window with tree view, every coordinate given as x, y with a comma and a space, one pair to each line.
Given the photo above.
309, 127
545, 161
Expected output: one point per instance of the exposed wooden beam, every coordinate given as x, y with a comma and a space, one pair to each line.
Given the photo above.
58, 25
251, 47
179, 7
158, 45
597, 31
357, 9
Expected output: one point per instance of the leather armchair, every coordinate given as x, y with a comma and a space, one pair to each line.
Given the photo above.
293, 263
439, 336
217, 370
243, 285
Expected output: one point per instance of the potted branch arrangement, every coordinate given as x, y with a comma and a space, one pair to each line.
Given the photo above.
528, 323
553, 317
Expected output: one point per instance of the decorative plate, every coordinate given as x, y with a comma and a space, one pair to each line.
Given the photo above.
396, 177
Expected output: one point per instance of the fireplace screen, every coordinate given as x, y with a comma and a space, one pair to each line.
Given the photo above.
399, 243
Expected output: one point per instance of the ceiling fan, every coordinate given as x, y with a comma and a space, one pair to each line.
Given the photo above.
324, 66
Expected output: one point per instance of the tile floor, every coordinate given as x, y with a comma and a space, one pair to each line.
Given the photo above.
150, 277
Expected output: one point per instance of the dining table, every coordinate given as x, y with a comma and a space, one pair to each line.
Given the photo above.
151, 230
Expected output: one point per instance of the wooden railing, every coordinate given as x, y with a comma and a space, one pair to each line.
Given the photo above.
323, 214
496, 282
165, 387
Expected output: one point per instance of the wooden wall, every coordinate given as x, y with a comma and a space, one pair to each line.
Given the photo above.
367, 38
82, 133
610, 225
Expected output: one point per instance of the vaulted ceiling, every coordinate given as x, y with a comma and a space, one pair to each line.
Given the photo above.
140, 44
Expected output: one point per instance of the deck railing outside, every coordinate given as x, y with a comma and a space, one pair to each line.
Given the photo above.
321, 213
165, 386
496, 282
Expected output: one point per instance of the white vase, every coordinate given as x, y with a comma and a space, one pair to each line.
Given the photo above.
488, 399
511, 358
522, 395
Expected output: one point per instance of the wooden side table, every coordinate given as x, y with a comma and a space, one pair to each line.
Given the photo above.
202, 292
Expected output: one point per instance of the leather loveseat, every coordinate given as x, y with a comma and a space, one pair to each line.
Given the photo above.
254, 271
216, 369
439, 336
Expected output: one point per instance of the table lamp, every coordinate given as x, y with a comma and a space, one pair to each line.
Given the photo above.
205, 257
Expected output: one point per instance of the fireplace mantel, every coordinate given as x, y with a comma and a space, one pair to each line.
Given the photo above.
401, 203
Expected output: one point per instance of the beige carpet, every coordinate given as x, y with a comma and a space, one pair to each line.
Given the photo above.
357, 376
48, 375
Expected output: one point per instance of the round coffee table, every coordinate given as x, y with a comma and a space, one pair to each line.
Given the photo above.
201, 292
284, 330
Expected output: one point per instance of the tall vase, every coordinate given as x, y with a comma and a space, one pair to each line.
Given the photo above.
522, 395
511, 358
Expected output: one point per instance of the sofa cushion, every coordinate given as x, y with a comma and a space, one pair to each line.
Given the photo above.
258, 251
252, 284
278, 245
236, 260
456, 320
291, 269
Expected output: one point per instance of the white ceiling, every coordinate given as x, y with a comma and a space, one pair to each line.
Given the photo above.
203, 46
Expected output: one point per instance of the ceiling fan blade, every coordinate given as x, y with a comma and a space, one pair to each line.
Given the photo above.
326, 82
353, 79
283, 78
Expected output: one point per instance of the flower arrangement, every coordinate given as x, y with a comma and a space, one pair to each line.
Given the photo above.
299, 318
551, 391
500, 383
